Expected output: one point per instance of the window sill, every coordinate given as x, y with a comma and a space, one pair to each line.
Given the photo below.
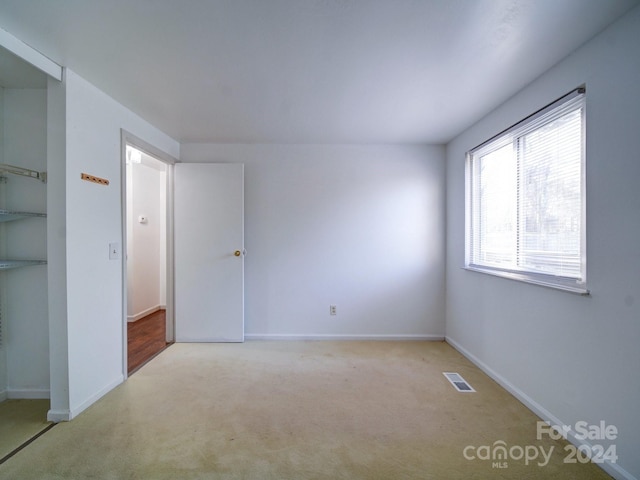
531, 278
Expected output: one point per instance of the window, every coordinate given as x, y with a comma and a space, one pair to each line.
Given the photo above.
525, 199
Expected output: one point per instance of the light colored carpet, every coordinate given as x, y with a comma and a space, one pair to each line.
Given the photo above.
295, 410
19, 421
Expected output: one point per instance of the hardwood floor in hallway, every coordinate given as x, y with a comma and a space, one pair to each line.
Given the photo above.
145, 339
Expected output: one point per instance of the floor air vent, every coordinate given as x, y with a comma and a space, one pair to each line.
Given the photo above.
458, 382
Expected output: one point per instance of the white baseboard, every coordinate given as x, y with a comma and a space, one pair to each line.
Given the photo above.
144, 313
613, 469
57, 416
3, 395
66, 415
290, 336
77, 410
28, 393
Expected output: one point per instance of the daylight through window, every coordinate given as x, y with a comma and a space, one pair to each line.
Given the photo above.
525, 199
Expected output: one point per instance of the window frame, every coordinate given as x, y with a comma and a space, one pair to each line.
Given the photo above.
543, 116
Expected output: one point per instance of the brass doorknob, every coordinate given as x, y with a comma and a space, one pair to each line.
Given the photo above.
237, 253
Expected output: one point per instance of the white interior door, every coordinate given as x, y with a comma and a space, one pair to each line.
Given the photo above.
209, 252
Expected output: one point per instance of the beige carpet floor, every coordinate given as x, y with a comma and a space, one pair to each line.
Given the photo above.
19, 421
295, 410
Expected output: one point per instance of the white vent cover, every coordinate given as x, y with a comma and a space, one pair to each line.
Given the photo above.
458, 382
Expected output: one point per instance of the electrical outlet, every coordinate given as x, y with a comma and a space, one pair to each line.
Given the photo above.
332, 310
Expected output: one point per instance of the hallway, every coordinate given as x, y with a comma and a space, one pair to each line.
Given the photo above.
146, 338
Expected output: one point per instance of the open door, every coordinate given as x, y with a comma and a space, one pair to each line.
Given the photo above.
209, 252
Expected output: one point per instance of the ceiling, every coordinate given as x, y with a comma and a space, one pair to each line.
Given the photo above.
309, 71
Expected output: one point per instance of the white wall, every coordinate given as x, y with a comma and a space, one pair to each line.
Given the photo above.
3, 249
569, 357
360, 227
93, 340
26, 331
146, 252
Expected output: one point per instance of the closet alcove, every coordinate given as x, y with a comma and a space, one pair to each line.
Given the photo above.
24, 326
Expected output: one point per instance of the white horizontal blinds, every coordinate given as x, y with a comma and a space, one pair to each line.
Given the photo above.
495, 222
526, 194
550, 213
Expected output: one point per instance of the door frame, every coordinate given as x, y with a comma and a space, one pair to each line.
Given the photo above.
127, 138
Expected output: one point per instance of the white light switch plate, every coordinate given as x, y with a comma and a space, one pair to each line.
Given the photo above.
114, 251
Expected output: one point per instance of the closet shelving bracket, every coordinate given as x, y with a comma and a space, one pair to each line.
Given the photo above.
8, 215
24, 172
10, 264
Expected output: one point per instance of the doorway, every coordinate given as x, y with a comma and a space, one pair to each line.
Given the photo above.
149, 319
207, 201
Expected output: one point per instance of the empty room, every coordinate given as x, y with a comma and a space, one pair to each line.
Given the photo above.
282, 239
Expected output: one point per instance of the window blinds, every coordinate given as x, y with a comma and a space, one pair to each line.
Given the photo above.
526, 194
